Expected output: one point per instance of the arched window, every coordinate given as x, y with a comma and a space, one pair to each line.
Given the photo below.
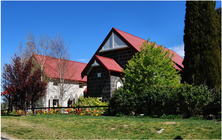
69, 104
119, 84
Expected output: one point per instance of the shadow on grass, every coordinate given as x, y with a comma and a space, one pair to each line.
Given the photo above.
178, 138
10, 115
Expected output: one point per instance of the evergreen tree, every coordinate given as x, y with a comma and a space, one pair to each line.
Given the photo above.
202, 41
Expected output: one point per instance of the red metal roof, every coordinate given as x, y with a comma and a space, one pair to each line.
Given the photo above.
85, 91
136, 42
133, 42
72, 70
109, 63
131, 39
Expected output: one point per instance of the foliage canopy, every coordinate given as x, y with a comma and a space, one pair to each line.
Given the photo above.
22, 83
202, 44
89, 101
151, 66
186, 100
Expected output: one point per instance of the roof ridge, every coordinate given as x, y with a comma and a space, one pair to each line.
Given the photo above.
104, 57
50, 68
138, 37
61, 59
129, 34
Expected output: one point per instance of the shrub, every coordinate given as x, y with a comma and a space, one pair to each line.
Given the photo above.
91, 101
193, 99
214, 106
119, 114
153, 100
185, 99
118, 101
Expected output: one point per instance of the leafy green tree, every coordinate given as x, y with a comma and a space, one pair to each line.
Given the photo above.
151, 66
202, 40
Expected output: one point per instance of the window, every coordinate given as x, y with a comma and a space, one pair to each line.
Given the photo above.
74, 101
80, 85
118, 84
98, 74
69, 103
55, 82
55, 103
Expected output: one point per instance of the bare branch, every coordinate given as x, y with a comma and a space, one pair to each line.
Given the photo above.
64, 68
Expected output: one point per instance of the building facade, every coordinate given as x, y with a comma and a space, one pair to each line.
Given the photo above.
104, 70
65, 84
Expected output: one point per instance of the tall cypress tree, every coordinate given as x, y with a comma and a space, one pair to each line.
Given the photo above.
202, 61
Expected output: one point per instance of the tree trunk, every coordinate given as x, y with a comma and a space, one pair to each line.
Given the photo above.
8, 104
33, 108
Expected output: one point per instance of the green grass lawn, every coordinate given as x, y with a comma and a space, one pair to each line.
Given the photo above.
106, 127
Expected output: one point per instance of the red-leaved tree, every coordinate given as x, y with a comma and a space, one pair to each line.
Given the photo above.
22, 83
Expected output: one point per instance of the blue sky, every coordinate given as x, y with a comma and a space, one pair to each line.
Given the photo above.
84, 24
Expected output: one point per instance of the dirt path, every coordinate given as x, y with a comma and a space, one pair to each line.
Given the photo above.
5, 136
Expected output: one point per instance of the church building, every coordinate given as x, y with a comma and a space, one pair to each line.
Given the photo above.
104, 70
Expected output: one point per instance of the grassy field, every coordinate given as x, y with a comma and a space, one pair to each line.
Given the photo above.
106, 127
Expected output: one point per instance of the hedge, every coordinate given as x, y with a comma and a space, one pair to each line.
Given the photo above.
186, 100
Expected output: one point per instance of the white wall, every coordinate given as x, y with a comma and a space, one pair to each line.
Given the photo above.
73, 93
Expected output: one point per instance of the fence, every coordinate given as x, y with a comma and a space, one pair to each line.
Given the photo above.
81, 107
74, 107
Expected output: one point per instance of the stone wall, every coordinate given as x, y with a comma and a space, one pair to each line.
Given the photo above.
121, 56
113, 83
105, 85
98, 86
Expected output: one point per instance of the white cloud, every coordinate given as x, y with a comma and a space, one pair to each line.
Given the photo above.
83, 60
179, 49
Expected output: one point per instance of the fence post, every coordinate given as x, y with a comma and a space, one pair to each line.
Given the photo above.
109, 110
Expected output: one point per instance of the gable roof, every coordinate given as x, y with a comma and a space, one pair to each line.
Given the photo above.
109, 63
134, 43
72, 69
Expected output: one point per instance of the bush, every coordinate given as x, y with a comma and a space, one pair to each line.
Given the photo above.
118, 101
119, 114
90, 101
214, 106
185, 99
156, 100
192, 100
